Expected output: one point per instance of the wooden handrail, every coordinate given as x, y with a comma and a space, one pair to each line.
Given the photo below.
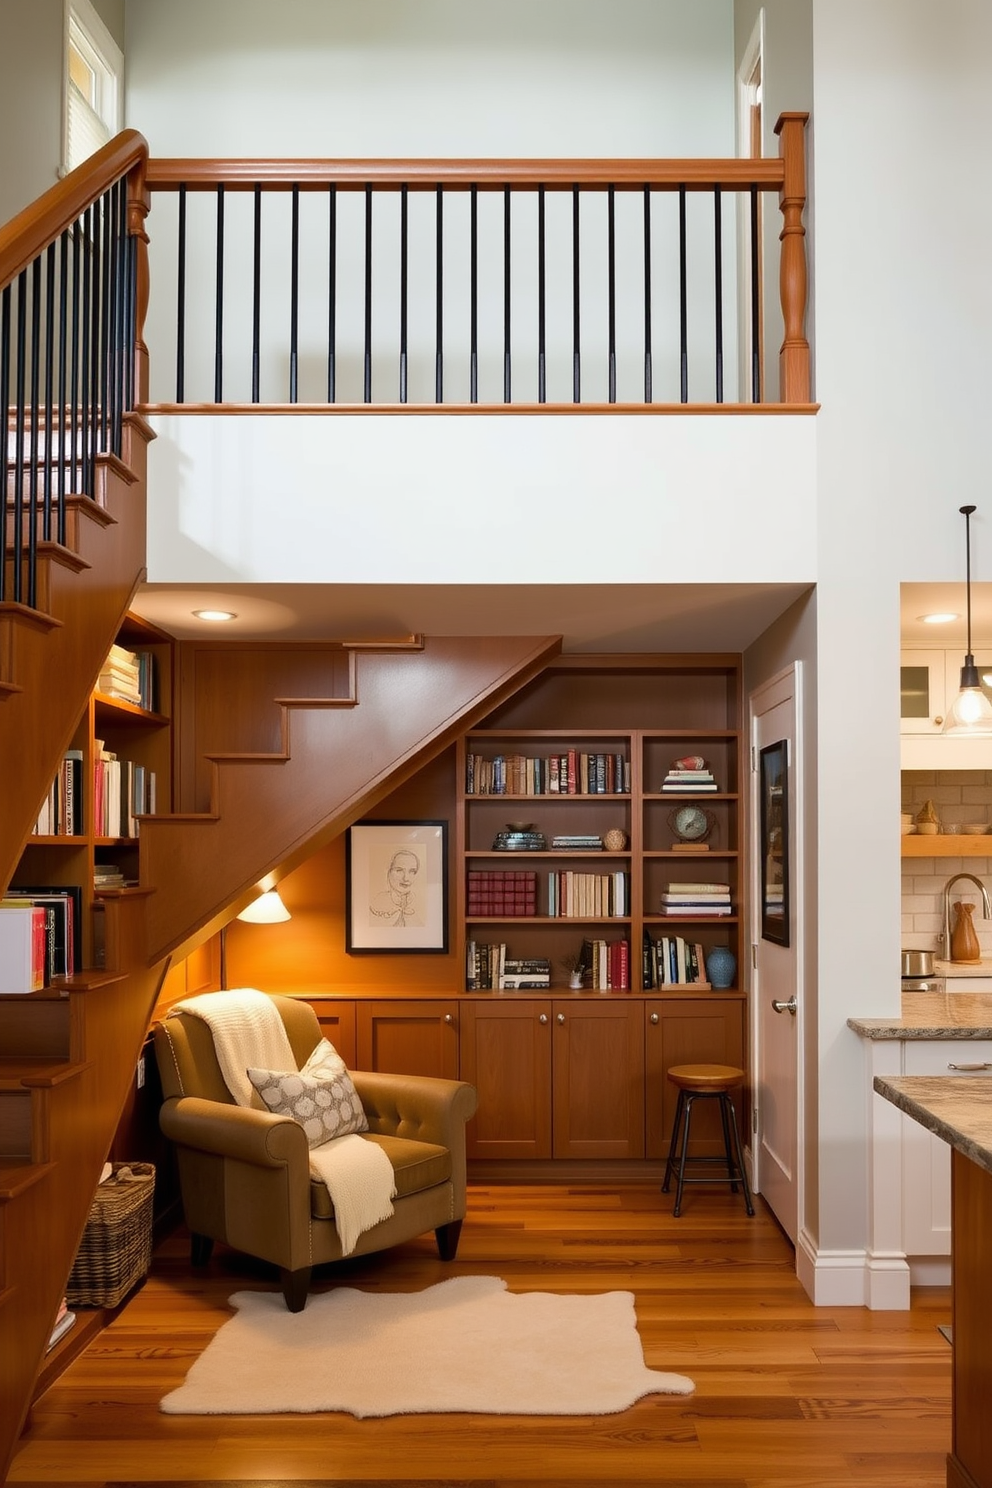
41, 223
455, 175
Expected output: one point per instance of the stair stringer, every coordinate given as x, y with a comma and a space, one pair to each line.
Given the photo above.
51, 659
270, 812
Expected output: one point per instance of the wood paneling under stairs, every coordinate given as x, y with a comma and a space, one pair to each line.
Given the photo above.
787, 1395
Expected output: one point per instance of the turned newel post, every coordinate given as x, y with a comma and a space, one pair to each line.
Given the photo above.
138, 203
793, 361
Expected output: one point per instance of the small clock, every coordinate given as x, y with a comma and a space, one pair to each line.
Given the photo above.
691, 823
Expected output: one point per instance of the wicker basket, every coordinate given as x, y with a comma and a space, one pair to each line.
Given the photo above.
116, 1248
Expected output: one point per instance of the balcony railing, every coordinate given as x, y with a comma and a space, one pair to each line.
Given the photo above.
477, 284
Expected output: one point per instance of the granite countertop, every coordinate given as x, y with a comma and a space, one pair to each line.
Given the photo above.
933, 1015
958, 1111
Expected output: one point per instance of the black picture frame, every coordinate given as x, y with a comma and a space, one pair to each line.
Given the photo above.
774, 841
396, 888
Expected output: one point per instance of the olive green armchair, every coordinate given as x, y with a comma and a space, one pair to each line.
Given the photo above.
244, 1174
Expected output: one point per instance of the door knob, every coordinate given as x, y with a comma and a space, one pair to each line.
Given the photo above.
785, 1007
561, 1017
543, 1018
448, 1018
655, 1018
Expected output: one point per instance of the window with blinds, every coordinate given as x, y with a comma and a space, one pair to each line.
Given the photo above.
93, 85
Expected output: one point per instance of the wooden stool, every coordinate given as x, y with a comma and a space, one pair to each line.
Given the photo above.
706, 1082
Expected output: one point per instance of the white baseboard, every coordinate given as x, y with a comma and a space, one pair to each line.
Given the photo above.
931, 1271
852, 1278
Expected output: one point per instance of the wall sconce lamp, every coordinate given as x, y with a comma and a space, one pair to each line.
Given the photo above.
267, 909
971, 713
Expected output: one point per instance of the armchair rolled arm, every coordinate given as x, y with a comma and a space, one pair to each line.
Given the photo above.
419, 1107
236, 1132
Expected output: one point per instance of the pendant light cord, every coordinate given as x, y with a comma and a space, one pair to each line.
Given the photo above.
966, 512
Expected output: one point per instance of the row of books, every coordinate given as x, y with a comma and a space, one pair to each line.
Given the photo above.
605, 965
671, 961
129, 676
122, 791
697, 899
493, 892
588, 896
61, 908
489, 969
688, 782
61, 813
575, 772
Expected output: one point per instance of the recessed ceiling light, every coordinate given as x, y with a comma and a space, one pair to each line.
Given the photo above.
215, 614
940, 619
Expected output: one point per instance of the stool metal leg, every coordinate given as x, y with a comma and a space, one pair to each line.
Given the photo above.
724, 1103
673, 1144
682, 1156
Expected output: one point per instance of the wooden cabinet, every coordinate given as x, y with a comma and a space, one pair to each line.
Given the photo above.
584, 751
505, 1051
337, 1024
408, 1037
141, 741
699, 1030
597, 1078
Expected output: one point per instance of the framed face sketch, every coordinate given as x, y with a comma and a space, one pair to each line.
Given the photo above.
396, 887
774, 845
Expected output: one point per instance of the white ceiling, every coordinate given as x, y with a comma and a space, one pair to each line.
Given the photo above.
606, 617
930, 599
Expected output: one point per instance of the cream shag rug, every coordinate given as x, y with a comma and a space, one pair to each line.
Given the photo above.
467, 1344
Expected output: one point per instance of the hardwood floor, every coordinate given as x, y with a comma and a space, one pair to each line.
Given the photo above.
786, 1394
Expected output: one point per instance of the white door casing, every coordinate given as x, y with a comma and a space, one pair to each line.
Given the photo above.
776, 970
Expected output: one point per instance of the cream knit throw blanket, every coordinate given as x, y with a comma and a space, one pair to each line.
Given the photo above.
248, 1033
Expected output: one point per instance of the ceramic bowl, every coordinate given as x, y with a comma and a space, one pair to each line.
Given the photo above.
927, 829
972, 829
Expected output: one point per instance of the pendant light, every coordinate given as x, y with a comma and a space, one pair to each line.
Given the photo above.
971, 714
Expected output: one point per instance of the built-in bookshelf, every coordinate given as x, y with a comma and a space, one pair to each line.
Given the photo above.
118, 767
577, 782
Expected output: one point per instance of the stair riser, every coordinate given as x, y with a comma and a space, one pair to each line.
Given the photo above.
16, 1124
33, 1027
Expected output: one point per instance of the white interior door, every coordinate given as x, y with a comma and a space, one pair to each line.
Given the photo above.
776, 896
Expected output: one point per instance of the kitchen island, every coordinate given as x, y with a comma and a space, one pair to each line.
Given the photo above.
960, 1114
909, 1195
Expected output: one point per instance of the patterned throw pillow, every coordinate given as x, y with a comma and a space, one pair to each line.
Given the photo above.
321, 1096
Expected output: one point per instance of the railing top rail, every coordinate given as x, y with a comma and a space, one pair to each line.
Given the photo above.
31, 231
485, 175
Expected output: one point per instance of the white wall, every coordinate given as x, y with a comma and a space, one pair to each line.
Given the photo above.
31, 62
904, 318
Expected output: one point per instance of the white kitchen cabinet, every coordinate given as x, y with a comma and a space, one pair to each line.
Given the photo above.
922, 691
926, 1159
929, 683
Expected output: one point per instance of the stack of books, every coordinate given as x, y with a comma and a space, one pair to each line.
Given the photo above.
515, 841
577, 842
63, 1322
575, 773
489, 969
495, 894
61, 813
108, 876
63, 909
691, 899
680, 782
119, 676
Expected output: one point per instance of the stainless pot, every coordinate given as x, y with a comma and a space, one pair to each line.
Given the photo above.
917, 963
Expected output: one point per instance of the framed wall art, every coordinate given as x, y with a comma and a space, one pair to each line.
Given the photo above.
396, 880
774, 841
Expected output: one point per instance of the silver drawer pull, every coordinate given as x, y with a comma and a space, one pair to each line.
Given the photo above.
964, 1067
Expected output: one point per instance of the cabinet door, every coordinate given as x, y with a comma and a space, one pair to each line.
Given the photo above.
506, 1054
926, 1160
337, 1024
598, 1078
408, 1037
923, 691
684, 1031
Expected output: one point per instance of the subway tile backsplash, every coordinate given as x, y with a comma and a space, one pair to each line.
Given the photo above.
959, 796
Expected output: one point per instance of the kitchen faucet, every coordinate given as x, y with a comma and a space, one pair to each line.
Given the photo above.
986, 905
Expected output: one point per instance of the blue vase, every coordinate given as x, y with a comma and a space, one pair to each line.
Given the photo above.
721, 967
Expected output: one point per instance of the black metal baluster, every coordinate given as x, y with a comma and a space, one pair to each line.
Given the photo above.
576, 350
332, 289
404, 243
718, 271
4, 404
181, 300
19, 374
256, 295
542, 385
367, 392
74, 399
648, 371
683, 309
94, 367
294, 299
439, 298
49, 395
33, 414
64, 451
116, 350
106, 291
755, 302
473, 375
85, 380
506, 294
219, 305
612, 227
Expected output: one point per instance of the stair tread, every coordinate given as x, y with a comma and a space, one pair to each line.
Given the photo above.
16, 1176
18, 1071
